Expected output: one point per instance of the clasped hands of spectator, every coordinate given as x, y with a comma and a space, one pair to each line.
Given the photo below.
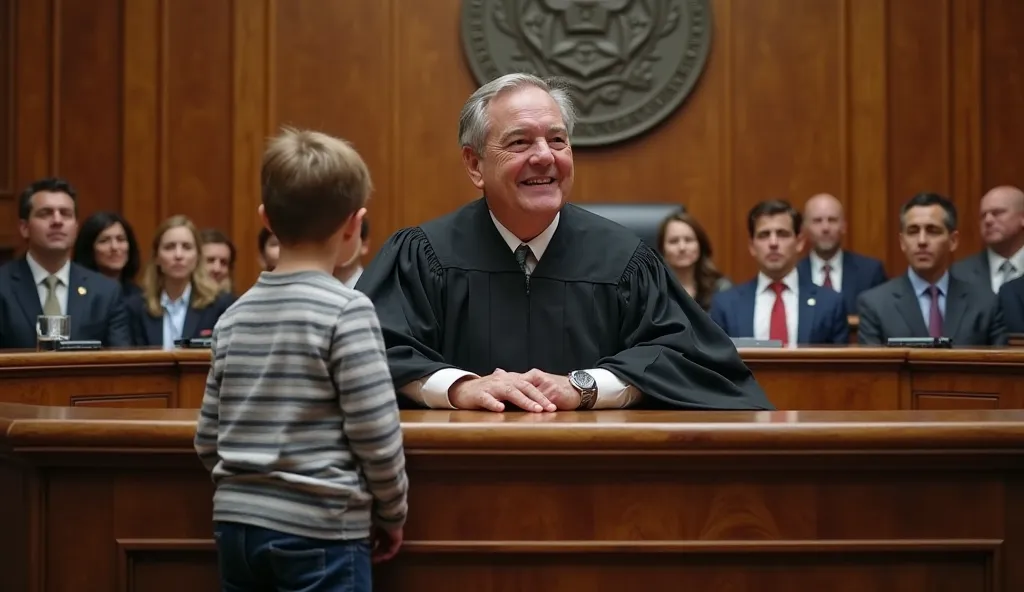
535, 391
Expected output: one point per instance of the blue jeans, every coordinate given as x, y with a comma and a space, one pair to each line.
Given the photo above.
254, 559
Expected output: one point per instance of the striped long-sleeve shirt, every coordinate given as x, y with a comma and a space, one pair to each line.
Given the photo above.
299, 424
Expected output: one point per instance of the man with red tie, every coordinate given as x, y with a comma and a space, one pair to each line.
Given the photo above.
780, 303
927, 301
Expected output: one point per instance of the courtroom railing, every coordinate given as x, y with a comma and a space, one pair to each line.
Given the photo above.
837, 378
114, 499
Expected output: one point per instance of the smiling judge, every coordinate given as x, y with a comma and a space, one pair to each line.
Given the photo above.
522, 298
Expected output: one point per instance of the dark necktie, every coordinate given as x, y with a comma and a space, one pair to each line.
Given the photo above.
778, 329
934, 314
828, 277
522, 252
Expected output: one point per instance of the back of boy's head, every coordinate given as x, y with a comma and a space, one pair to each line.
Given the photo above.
312, 183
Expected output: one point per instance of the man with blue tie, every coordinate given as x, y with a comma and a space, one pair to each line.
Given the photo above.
828, 264
927, 301
780, 303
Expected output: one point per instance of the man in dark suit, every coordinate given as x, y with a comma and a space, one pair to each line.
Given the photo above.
779, 303
1002, 230
928, 301
45, 281
1011, 301
828, 264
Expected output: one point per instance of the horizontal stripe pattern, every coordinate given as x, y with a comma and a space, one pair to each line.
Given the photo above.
299, 423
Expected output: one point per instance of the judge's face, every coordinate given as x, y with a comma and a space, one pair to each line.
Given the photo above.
926, 241
526, 168
775, 245
681, 248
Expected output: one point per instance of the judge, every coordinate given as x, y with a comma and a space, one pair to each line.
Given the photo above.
521, 298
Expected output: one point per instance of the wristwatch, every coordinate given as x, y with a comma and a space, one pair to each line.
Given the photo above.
585, 384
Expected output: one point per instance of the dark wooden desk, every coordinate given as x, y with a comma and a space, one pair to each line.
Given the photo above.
115, 499
838, 378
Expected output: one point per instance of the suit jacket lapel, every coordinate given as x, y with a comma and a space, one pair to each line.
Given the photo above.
746, 312
956, 306
849, 274
78, 300
805, 311
909, 309
154, 327
188, 330
26, 292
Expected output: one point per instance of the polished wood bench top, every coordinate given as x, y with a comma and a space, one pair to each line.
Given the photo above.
87, 428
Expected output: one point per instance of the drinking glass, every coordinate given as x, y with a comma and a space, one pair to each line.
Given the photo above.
50, 330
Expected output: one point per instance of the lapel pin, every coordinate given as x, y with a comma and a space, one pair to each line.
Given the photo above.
81, 291
811, 302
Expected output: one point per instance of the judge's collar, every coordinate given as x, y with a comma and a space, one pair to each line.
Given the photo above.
539, 243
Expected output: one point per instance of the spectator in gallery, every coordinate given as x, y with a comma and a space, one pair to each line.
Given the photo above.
179, 300
219, 255
46, 281
687, 251
106, 244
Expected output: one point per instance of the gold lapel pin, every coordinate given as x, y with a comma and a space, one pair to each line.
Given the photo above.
81, 291
811, 302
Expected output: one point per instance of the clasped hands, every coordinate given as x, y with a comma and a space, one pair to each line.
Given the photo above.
535, 391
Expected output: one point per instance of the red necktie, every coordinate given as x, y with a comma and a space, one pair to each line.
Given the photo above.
828, 277
777, 329
934, 314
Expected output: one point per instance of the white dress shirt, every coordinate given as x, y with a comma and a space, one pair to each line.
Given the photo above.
765, 300
995, 268
835, 272
612, 393
175, 312
39, 276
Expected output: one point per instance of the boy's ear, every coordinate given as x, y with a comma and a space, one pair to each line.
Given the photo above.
355, 223
263, 218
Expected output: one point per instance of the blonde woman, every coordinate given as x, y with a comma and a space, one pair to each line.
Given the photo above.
179, 300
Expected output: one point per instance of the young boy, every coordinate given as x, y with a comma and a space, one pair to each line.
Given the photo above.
299, 424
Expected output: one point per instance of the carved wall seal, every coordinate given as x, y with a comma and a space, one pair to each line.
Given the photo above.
628, 63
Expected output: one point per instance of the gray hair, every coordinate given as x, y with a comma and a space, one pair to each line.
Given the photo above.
473, 121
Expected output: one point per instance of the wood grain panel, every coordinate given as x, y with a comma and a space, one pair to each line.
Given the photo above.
197, 111
333, 72
159, 107
87, 101
171, 565
779, 80
1002, 64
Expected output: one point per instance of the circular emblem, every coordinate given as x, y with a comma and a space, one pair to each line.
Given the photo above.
628, 63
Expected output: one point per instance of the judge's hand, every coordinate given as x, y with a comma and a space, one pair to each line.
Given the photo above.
555, 388
487, 393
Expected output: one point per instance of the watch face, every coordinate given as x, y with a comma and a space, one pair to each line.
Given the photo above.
583, 380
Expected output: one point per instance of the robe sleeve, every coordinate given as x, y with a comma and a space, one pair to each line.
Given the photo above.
406, 284
673, 351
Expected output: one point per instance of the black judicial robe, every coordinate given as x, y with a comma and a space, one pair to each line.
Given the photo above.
449, 293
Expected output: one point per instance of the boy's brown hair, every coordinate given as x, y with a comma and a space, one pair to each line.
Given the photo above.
312, 183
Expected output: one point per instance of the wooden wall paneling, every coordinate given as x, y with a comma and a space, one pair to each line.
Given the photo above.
788, 126
333, 71
196, 131
142, 198
8, 141
34, 43
965, 160
252, 49
1002, 66
431, 81
870, 228
919, 105
86, 136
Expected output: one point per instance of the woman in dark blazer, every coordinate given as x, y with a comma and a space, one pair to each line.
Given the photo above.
106, 244
686, 249
178, 298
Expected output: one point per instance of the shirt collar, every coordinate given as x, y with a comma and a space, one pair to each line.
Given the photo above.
538, 245
921, 286
835, 262
995, 260
166, 302
39, 274
790, 281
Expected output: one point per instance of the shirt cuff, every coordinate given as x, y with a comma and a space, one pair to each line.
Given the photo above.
433, 391
612, 393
